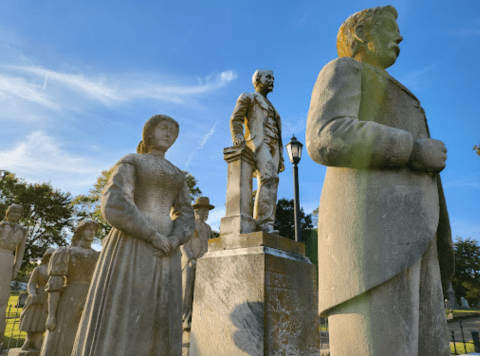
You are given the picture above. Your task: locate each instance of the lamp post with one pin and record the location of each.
(294, 149)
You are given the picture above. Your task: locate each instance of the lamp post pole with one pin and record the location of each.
(298, 233)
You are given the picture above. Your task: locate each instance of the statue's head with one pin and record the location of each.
(160, 131)
(84, 233)
(202, 207)
(371, 36)
(14, 213)
(263, 80)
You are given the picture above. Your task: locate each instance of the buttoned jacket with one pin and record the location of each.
(377, 215)
(253, 110)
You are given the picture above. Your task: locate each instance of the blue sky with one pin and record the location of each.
(79, 79)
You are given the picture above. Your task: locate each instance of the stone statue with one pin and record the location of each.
(135, 302)
(70, 271)
(191, 251)
(13, 237)
(384, 239)
(34, 313)
(263, 134)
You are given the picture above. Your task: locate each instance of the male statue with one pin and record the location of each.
(13, 237)
(263, 134)
(384, 239)
(195, 248)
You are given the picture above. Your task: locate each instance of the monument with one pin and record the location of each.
(384, 236)
(34, 313)
(134, 306)
(191, 252)
(13, 237)
(452, 301)
(255, 291)
(70, 271)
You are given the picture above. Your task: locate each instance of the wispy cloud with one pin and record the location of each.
(472, 181)
(203, 141)
(414, 79)
(40, 157)
(468, 30)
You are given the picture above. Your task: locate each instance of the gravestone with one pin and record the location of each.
(465, 303)
(452, 301)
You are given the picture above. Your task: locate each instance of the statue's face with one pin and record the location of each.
(14, 215)
(266, 80)
(383, 39)
(89, 233)
(201, 214)
(164, 135)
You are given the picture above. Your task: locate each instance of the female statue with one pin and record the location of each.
(134, 306)
(13, 237)
(34, 313)
(70, 270)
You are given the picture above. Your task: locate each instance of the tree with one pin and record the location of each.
(477, 148)
(285, 224)
(47, 214)
(466, 281)
(89, 205)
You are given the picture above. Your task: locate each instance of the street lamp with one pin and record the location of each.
(294, 149)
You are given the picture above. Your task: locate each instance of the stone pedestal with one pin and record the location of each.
(255, 294)
(239, 207)
(20, 352)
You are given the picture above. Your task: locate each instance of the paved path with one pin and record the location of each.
(471, 324)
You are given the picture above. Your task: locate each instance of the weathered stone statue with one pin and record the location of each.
(34, 313)
(134, 306)
(70, 271)
(384, 235)
(191, 251)
(13, 237)
(263, 134)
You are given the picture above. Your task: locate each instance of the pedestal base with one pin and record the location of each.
(255, 294)
(20, 352)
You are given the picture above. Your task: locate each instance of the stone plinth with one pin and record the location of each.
(239, 207)
(20, 352)
(255, 294)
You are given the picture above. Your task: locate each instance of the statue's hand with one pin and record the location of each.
(239, 140)
(281, 166)
(51, 323)
(161, 243)
(174, 241)
(192, 263)
(428, 155)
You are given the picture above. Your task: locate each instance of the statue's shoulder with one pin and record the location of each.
(131, 158)
(342, 65)
(244, 97)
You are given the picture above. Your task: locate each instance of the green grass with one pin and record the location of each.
(17, 336)
(460, 348)
(462, 313)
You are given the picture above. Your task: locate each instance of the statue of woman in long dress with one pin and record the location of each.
(70, 272)
(134, 306)
(13, 237)
(34, 313)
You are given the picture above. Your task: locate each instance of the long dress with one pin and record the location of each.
(34, 316)
(134, 306)
(70, 270)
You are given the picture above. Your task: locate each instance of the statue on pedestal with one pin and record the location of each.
(13, 237)
(34, 312)
(384, 239)
(263, 135)
(70, 271)
(135, 302)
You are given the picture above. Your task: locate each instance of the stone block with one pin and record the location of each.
(255, 294)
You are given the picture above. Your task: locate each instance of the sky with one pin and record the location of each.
(78, 80)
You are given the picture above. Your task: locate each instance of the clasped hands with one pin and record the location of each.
(165, 246)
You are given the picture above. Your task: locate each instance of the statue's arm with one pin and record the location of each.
(184, 224)
(335, 136)
(19, 252)
(238, 118)
(118, 205)
(32, 283)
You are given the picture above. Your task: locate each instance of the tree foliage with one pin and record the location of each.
(477, 148)
(466, 281)
(89, 205)
(285, 224)
(47, 214)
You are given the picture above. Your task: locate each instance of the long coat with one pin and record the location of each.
(253, 110)
(377, 215)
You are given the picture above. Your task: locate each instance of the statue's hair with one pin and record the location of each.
(149, 127)
(77, 235)
(258, 73)
(14, 207)
(347, 43)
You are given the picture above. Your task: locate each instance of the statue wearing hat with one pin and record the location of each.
(191, 251)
